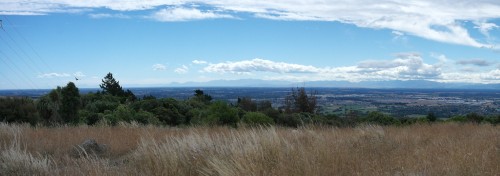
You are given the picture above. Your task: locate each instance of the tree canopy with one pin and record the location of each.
(111, 86)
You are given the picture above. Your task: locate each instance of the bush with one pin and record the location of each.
(145, 117)
(493, 119)
(88, 117)
(220, 113)
(457, 119)
(291, 120)
(257, 118)
(123, 113)
(409, 121)
(380, 118)
(18, 110)
(474, 117)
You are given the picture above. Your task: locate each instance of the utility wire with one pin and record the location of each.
(17, 70)
(40, 71)
(33, 64)
(31, 47)
(19, 56)
(10, 81)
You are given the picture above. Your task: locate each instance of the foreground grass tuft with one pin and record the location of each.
(437, 149)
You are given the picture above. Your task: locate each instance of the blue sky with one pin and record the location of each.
(45, 44)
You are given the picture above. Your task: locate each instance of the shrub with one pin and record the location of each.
(431, 117)
(221, 113)
(18, 110)
(123, 113)
(457, 119)
(145, 117)
(380, 118)
(257, 118)
(409, 121)
(474, 117)
(291, 120)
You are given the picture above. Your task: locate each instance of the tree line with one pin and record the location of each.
(112, 104)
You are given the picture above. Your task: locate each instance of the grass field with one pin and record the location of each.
(437, 149)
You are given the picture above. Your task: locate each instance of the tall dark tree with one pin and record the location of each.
(70, 102)
(299, 101)
(247, 104)
(431, 117)
(49, 106)
(111, 86)
(201, 96)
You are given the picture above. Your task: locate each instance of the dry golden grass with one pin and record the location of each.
(437, 149)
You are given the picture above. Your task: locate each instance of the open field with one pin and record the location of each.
(436, 149)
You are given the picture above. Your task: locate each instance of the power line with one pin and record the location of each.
(31, 67)
(7, 78)
(24, 76)
(30, 46)
(17, 54)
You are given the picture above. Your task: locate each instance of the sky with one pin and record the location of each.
(47, 43)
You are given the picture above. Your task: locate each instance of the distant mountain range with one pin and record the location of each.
(412, 84)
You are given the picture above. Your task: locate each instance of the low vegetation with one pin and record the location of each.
(133, 149)
(112, 105)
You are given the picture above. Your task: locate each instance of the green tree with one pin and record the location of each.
(145, 117)
(220, 113)
(431, 117)
(123, 113)
(247, 104)
(201, 96)
(257, 118)
(380, 118)
(70, 102)
(474, 117)
(49, 106)
(19, 110)
(111, 86)
(299, 101)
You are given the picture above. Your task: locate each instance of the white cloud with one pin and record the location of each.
(185, 14)
(79, 74)
(406, 66)
(181, 70)
(485, 77)
(107, 15)
(434, 20)
(397, 33)
(200, 62)
(485, 27)
(53, 75)
(159, 67)
(259, 65)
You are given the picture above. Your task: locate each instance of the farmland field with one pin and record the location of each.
(420, 149)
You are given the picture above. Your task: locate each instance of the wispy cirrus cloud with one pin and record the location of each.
(108, 15)
(181, 70)
(159, 67)
(441, 21)
(79, 74)
(53, 75)
(185, 14)
(199, 62)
